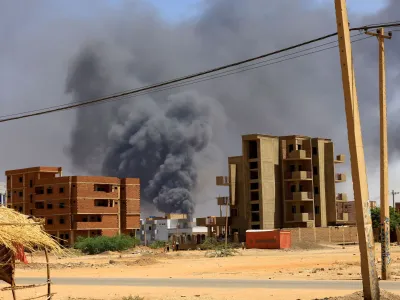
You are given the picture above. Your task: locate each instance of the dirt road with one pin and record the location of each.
(294, 285)
(332, 263)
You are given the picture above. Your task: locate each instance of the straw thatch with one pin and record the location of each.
(20, 230)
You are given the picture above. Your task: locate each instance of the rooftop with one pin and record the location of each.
(41, 169)
(293, 136)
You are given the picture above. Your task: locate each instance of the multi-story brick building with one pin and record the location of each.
(278, 182)
(76, 205)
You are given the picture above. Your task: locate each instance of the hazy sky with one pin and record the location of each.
(139, 44)
(176, 10)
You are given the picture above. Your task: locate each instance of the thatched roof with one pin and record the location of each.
(18, 229)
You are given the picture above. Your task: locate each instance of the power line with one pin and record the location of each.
(227, 73)
(157, 86)
(218, 75)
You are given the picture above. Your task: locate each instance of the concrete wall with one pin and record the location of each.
(239, 211)
(327, 235)
(270, 193)
(330, 185)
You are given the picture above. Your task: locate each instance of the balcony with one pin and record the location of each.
(340, 177)
(303, 217)
(298, 175)
(302, 196)
(341, 197)
(298, 154)
(223, 200)
(344, 217)
(222, 181)
(340, 159)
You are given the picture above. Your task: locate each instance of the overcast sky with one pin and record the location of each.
(162, 39)
(176, 10)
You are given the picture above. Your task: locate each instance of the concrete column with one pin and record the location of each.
(236, 237)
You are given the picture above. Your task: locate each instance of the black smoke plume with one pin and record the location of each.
(161, 143)
(172, 139)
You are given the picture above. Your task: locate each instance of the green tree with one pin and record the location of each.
(394, 218)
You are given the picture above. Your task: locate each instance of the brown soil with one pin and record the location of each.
(304, 262)
(359, 296)
(144, 261)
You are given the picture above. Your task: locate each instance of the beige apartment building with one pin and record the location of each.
(282, 182)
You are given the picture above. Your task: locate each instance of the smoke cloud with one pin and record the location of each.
(178, 140)
(159, 137)
(160, 145)
(162, 142)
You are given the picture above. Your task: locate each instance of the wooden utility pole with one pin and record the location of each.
(385, 216)
(358, 170)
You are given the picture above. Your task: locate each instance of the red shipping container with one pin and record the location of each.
(268, 239)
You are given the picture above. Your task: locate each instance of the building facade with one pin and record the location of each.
(351, 210)
(397, 207)
(282, 182)
(3, 193)
(164, 228)
(75, 206)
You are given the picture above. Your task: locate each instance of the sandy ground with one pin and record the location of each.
(328, 263)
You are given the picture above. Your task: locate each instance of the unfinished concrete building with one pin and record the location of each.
(282, 182)
(76, 205)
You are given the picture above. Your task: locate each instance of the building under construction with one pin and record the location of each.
(281, 182)
(75, 206)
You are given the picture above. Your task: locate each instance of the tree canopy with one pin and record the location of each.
(394, 218)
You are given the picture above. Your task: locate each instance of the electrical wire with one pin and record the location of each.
(218, 75)
(227, 73)
(156, 87)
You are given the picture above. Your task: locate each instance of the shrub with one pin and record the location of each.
(221, 251)
(157, 245)
(210, 243)
(100, 244)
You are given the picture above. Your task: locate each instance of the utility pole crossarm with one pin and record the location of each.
(380, 34)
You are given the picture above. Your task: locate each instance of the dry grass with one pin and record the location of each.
(25, 232)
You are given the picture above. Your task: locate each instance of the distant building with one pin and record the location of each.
(351, 209)
(75, 206)
(3, 194)
(164, 228)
